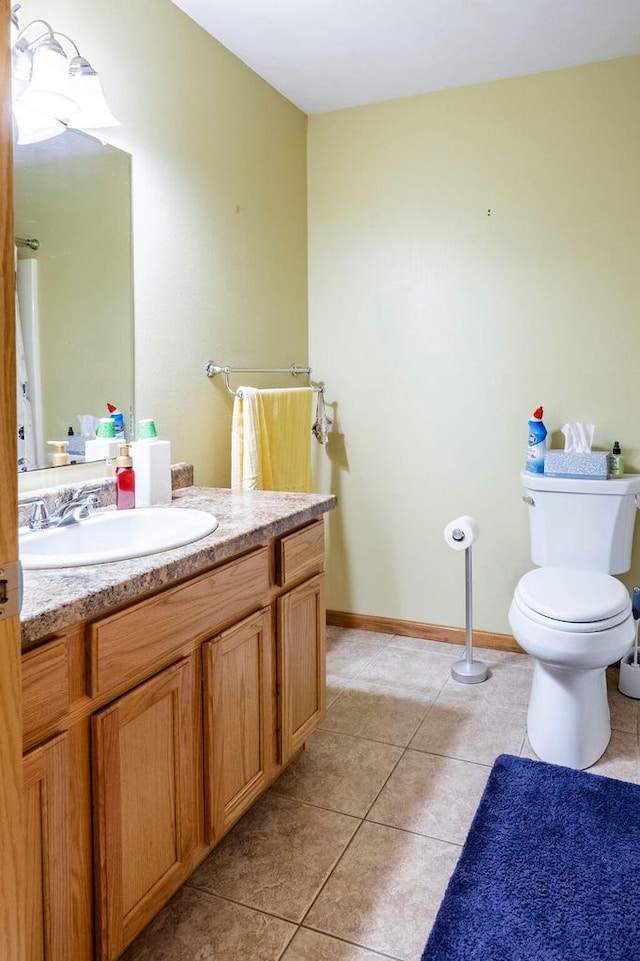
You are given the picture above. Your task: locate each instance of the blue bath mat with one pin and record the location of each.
(550, 870)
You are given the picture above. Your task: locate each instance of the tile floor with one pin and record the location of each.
(347, 856)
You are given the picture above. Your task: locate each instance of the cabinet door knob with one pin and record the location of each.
(528, 499)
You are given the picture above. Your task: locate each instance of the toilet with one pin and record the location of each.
(569, 614)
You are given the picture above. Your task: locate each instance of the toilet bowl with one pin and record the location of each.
(573, 623)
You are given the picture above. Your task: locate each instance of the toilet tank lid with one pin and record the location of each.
(572, 596)
(628, 484)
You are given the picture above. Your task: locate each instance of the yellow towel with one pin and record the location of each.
(271, 440)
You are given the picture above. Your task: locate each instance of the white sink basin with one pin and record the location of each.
(114, 536)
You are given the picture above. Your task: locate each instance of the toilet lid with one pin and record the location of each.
(577, 597)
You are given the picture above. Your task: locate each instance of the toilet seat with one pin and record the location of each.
(575, 601)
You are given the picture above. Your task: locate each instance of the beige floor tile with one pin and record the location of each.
(355, 634)
(471, 731)
(423, 644)
(624, 710)
(457, 650)
(434, 796)
(620, 760)
(423, 671)
(348, 653)
(312, 946)
(385, 892)
(367, 709)
(195, 926)
(512, 658)
(508, 685)
(338, 772)
(335, 686)
(277, 857)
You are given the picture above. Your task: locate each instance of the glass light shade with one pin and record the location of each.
(34, 126)
(93, 112)
(21, 67)
(15, 27)
(49, 90)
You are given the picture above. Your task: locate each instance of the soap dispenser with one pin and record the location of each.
(59, 458)
(125, 480)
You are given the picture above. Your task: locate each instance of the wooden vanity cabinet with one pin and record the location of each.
(301, 664)
(151, 730)
(264, 695)
(46, 823)
(238, 675)
(56, 803)
(145, 801)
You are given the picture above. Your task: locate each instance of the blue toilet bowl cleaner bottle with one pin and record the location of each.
(118, 419)
(537, 443)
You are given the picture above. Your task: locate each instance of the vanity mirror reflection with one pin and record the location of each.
(72, 199)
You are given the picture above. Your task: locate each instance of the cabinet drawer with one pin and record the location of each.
(300, 553)
(45, 686)
(132, 644)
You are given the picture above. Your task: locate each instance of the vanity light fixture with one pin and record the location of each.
(52, 90)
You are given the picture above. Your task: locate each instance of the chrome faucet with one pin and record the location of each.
(76, 509)
(72, 512)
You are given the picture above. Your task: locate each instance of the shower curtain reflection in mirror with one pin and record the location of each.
(30, 450)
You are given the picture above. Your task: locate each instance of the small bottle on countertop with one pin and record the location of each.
(125, 480)
(152, 463)
(616, 461)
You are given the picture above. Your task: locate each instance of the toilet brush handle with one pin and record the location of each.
(635, 603)
(635, 608)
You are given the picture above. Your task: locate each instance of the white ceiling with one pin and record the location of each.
(329, 54)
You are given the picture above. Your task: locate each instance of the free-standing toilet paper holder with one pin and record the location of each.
(467, 671)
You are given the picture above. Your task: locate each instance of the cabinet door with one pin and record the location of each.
(145, 803)
(238, 720)
(46, 824)
(301, 664)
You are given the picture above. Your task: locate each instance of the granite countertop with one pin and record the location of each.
(56, 599)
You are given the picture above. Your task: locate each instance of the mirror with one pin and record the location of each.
(72, 195)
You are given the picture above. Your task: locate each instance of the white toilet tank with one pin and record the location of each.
(582, 524)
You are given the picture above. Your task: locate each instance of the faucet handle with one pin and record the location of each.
(40, 518)
(89, 489)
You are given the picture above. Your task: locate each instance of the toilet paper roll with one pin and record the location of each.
(461, 532)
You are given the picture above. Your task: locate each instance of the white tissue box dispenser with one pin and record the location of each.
(590, 466)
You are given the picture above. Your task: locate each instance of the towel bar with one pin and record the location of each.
(211, 369)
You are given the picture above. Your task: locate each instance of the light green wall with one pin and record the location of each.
(472, 254)
(219, 212)
(437, 327)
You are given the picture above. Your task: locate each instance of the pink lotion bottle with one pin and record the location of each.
(125, 480)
